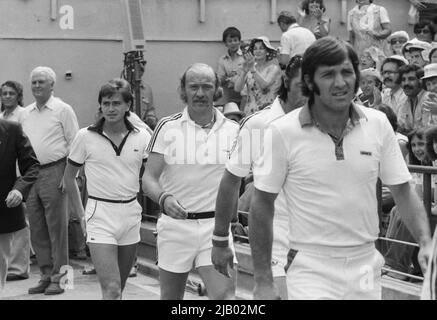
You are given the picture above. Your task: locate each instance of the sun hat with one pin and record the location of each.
(266, 42)
(398, 34)
(371, 72)
(232, 108)
(430, 71)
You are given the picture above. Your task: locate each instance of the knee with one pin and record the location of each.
(111, 290)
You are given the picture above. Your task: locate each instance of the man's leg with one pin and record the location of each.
(172, 284)
(105, 258)
(126, 257)
(20, 255)
(218, 287)
(5, 250)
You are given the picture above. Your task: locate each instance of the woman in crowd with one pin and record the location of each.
(424, 31)
(260, 77)
(433, 55)
(371, 86)
(396, 40)
(314, 18)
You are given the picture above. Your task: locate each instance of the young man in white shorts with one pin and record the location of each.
(247, 149)
(188, 152)
(113, 152)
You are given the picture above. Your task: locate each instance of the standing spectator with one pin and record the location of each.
(186, 186)
(396, 40)
(368, 25)
(294, 40)
(260, 77)
(331, 239)
(113, 151)
(427, 10)
(229, 65)
(314, 18)
(51, 125)
(12, 106)
(412, 114)
(393, 95)
(14, 146)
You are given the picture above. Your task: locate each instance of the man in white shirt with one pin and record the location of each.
(294, 40)
(51, 126)
(392, 94)
(326, 158)
(188, 152)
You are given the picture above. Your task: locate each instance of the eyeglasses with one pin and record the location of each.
(401, 41)
(424, 31)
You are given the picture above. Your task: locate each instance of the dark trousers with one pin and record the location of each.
(48, 218)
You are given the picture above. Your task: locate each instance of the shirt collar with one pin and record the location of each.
(98, 126)
(355, 115)
(49, 104)
(228, 56)
(294, 25)
(276, 108)
(219, 118)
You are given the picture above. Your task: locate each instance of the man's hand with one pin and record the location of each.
(14, 198)
(265, 292)
(174, 209)
(424, 255)
(221, 258)
(249, 62)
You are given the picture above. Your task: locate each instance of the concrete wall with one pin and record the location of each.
(176, 38)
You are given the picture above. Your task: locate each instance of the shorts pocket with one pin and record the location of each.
(91, 209)
(290, 258)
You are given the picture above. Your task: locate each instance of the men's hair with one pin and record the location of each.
(47, 71)
(286, 17)
(115, 86)
(391, 115)
(411, 68)
(231, 32)
(306, 5)
(430, 138)
(182, 93)
(17, 87)
(291, 72)
(423, 24)
(327, 51)
(271, 54)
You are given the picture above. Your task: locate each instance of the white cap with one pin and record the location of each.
(430, 71)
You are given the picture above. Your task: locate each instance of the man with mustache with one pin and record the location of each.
(393, 95)
(412, 114)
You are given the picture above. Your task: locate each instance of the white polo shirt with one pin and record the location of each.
(296, 40)
(330, 188)
(248, 148)
(194, 158)
(112, 171)
(50, 129)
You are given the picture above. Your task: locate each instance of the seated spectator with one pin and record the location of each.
(424, 31)
(413, 114)
(231, 111)
(432, 57)
(396, 40)
(371, 85)
(229, 65)
(371, 57)
(260, 77)
(417, 52)
(313, 17)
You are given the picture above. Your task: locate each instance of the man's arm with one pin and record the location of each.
(261, 237)
(414, 217)
(70, 185)
(283, 59)
(152, 188)
(226, 206)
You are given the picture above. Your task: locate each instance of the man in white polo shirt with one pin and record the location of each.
(327, 157)
(113, 151)
(51, 125)
(247, 149)
(294, 40)
(188, 152)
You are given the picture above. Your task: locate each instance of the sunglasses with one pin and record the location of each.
(400, 41)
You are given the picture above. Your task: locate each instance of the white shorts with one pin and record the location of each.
(113, 223)
(337, 274)
(182, 243)
(280, 248)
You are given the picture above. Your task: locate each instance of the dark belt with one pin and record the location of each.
(51, 164)
(200, 215)
(112, 201)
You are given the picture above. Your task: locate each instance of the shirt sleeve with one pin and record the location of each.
(383, 15)
(70, 124)
(147, 137)
(157, 143)
(285, 45)
(270, 170)
(240, 160)
(392, 170)
(221, 72)
(78, 153)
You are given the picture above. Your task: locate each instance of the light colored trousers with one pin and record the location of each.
(5, 251)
